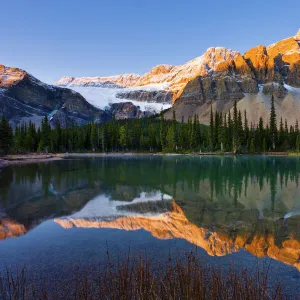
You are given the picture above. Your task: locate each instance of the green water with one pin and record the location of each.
(227, 207)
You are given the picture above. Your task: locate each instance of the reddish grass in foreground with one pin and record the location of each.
(134, 279)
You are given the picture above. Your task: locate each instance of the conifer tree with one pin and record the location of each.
(44, 144)
(252, 146)
(298, 143)
(162, 131)
(297, 127)
(230, 132)
(6, 136)
(273, 124)
(175, 133)
(281, 133)
(246, 129)
(123, 137)
(211, 130)
(94, 137)
(235, 137)
(221, 132)
(240, 131)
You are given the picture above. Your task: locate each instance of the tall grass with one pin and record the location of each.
(134, 278)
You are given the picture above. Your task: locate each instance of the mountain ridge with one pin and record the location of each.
(222, 76)
(24, 98)
(214, 80)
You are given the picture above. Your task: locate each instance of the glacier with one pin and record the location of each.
(101, 97)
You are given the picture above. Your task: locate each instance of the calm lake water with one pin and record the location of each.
(243, 211)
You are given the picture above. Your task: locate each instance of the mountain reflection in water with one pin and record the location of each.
(221, 204)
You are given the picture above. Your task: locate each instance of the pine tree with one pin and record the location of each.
(246, 130)
(162, 131)
(225, 133)
(94, 136)
(193, 139)
(221, 132)
(235, 129)
(29, 138)
(103, 139)
(298, 143)
(211, 130)
(18, 140)
(273, 124)
(44, 144)
(264, 147)
(230, 132)
(252, 146)
(261, 134)
(281, 133)
(174, 125)
(296, 128)
(6, 136)
(216, 131)
(57, 137)
(123, 137)
(240, 131)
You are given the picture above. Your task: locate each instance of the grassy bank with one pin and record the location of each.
(134, 279)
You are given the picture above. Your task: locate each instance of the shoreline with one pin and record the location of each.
(17, 159)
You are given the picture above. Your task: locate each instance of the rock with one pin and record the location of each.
(276, 89)
(10, 76)
(233, 77)
(164, 97)
(257, 59)
(126, 110)
(24, 98)
(297, 36)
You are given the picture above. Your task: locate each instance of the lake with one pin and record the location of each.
(242, 211)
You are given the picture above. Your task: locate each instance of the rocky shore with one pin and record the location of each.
(38, 157)
(27, 158)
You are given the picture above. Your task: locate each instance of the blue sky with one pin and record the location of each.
(54, 38)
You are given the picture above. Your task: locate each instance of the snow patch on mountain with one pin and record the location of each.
(119, 80)
(101, 97)
(103, 206)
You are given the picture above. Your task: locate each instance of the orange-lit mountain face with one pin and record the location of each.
(9, 228)
(278, 62)
(174, 224)
(10, 76)
(221, 76)
(215, 79)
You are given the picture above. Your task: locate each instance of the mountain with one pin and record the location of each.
(173, 224)
(102, 91)
(217, 78)
(25, 98)
(249, 79)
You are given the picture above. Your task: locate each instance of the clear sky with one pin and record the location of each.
(54, 38)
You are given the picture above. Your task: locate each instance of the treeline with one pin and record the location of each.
(147, 134)
(155, 134)
(234, 133)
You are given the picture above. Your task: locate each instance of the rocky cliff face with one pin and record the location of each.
(162, 96)
(249, 79)
(126, 110)
(174, 224)
(24, 98)
(218, 78)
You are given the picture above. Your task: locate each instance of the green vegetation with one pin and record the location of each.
(224, 134)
